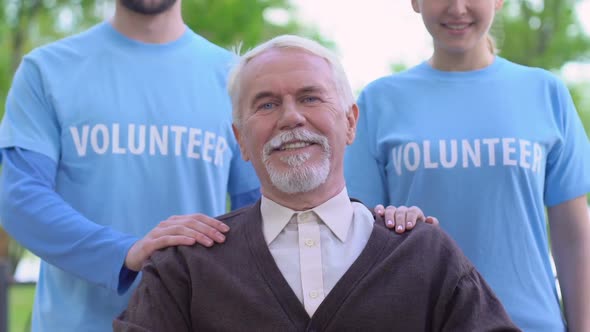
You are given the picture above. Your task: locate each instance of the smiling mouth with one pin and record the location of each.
(293, 146)
(457, 27)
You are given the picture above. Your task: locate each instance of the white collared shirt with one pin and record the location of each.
(314, 248)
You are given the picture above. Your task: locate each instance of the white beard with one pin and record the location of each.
(299, 177)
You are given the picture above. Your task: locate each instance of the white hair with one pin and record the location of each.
(290, 42)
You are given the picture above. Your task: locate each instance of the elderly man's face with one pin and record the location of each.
(293, 127)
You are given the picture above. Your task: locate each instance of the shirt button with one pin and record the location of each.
(309, 242)
(313, 294)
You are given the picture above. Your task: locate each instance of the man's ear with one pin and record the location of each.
(238, 137)
(416, 6)
(352, 117)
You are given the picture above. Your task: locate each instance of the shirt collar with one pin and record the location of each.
(336, 213)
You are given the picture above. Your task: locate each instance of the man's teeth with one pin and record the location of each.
(457, 26)
(296, 145)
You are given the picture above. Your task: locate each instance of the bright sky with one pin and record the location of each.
(373, 34)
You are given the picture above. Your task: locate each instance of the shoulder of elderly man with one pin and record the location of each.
(423, 266)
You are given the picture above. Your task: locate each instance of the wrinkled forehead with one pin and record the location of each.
(285, 60)
(285, 68)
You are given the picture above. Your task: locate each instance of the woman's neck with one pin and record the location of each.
(462, 61)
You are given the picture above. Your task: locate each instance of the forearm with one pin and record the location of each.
(575, 288)
(37, 217)
(570, 240)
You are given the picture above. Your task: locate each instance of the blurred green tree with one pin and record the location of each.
(247, 22)
(541, 33)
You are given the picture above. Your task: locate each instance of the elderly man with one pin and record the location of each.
(306, 257)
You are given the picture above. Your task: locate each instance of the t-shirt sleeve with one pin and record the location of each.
(38, 218)
(365, 175)
(568, 161)
(30, 121)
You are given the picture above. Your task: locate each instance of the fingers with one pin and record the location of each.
(176, 231)
(203, 228)
(400, 219)
(413, 215)
(379, 210)
(212, 222)
(161, 242)
(403, 218)
(432, 220)
(203, 235)
(208, 229)
(144, 248)
(199, 219)
(389, 216)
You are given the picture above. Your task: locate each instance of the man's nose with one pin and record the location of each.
(291, 116)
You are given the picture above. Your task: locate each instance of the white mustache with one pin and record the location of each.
(302, 135)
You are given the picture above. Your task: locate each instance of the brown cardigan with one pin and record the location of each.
(417, 281)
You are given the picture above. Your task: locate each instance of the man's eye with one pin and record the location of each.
(267, 106)
(310, 99)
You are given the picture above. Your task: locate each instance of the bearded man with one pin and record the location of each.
(306, 257)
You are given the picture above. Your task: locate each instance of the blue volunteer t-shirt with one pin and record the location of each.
(484, 151)
(140, 132)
